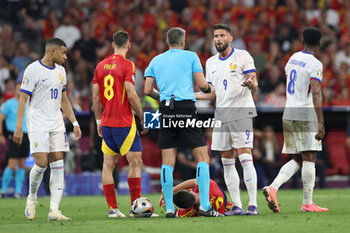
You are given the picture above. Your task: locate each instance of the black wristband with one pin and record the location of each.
(208, 90)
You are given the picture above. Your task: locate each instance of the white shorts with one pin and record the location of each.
(233, 135)
(299, 136)
(48, 142)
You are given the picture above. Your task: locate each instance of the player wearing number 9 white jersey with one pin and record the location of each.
(43, 86)
(303, 126)
(232, 73)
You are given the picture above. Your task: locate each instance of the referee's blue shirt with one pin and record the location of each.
(9, 109)
(173, 71)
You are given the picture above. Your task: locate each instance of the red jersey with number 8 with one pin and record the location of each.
(110, 75)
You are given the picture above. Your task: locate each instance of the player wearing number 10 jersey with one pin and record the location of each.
(113, 87)
(303, 126)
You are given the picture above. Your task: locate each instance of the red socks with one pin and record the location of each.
(135, 188)
(110, 196)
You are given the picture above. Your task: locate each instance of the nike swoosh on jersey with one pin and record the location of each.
(43, 80)
(213, 71)
(246, 142)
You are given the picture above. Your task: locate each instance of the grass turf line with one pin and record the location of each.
(89, 214)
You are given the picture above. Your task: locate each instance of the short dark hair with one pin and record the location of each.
(175, 35)
(184, 199)
(222, 26)
(55, 42)
(121, 38)
(312, 36)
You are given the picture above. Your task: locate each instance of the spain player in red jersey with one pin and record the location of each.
(186, 198)
(113, 88)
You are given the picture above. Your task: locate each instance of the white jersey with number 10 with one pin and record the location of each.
(45, 86)
(300, 69)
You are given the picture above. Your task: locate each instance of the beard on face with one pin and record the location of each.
(222, 47)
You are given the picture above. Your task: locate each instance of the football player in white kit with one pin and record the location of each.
(232, 73)
(303, 126)
(44, 82)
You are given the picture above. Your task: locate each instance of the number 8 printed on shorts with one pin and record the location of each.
(291, 84)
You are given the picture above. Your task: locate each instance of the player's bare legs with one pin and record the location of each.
(232, 181)
(285, 173)
(166, 179)
(35, 178)
(308, 174)
(109, 162)
(249, 176)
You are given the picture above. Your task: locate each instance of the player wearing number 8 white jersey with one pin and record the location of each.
(232, 73)
(44, 84)
(303, 126)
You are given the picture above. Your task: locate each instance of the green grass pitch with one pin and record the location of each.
(89, 214)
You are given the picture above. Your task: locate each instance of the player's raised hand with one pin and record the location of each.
(18, 136)
(77, 133)
(320, 131)
(248, 81)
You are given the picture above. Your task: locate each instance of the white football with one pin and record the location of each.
(142, 207)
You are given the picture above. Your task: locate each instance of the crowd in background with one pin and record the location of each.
(269, 29)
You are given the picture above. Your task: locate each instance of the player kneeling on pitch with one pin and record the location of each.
(186, 198)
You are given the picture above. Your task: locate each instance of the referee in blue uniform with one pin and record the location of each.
(174, 72)
(16, 154)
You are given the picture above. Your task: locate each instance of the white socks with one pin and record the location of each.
(232, 180)
(286, 172)
(35, 178)
(249, 176)
(308, 178)
(56, 183)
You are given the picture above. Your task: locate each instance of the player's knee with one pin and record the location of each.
(136, 162)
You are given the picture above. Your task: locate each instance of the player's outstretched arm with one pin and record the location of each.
(188, 184)
(18, 134)
(68, 110)
(96, 105)
(149, 88)
(251, 81)
(317, 100)
(135, 103)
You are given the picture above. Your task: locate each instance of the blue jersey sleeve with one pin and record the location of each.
(5, 108)
(196, 64)
(149, 72)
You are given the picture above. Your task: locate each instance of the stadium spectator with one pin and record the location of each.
(67, 32)
(23, 58)
(267, 156)
(4, 73)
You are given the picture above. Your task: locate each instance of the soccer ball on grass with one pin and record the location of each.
(142, 207)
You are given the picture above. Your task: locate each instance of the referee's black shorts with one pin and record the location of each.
(18, 151)
(173, 133)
